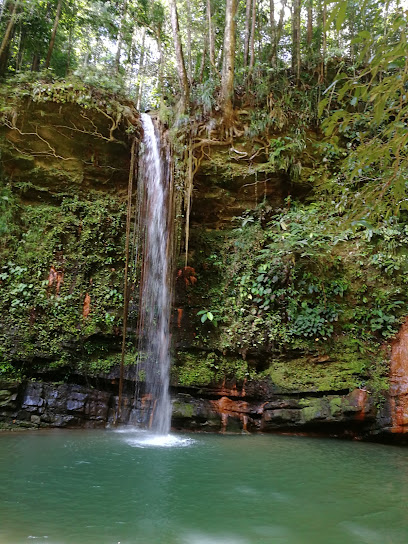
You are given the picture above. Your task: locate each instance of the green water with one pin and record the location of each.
(86, 487)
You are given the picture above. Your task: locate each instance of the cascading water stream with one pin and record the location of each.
(154, 310)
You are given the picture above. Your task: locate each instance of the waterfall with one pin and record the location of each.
(153, 363)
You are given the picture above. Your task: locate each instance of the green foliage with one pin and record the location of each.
(304, 280)
(8, 210)
(90, 91)
(370, 118)
(208, 315)
(56, 256)
(204, 95)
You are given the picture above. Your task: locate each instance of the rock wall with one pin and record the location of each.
(35, 405)
(64, 169)
(350, 415)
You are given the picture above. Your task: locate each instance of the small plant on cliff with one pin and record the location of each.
(207, 315)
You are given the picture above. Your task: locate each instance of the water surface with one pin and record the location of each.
(106, 487)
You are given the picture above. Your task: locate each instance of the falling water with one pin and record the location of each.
(154, 313)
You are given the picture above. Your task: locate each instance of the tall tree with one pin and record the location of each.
(228, 65)
(296, 38)
(272, 23)
(252, 40)
(247, 31)
(53, 34)
(277, 32)
(121, 35)
(140, 71)
(189, 59)
(5, 44)
(181, 67)
(211, 40)
(323, 15)
(309, 24)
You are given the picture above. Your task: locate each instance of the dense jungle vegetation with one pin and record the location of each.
(311, 92)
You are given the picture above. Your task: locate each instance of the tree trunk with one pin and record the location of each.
(309, 24)
(247, 30)
(181, 67)
(227, 78)
(53, 34)
(67, 67)
(5, 44)
(20, 52)
(324, 44)
(120, 36)
(252, 40)
(278, 34)
(161, 64)
(296, 39)
(140, 71)
(189, 61)
(272, 27)
(202, 64)
(211, 41)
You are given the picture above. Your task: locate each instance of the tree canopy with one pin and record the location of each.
(202, 57)
(146, 47)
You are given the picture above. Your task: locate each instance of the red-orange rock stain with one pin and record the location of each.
(87, 306)
(179, 317)
(52, 276)
(187, 275)
(60, 280)
(399, 381)
(359, 398)
(227, 407)
(57, 278)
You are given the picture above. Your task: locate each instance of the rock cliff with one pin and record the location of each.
(281, 322)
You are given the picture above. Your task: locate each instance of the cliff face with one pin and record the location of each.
(65, 154)
(281, 320)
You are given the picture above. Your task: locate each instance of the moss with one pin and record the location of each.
(335, 406)
(183, 410)
(303, 374)
(54, 257)
(209, 368)
(95, 366)
(192, 370)
(317, 409)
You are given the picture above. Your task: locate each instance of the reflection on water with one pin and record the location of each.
(76, 487)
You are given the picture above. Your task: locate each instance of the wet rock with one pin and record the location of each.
(7, 398)
(273, 419)
(76, 401)
(279, 403)
(398, 392)
(316, 410)
(33, 399)
(59, 405)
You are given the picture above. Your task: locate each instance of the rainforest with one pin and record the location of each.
(204, 229)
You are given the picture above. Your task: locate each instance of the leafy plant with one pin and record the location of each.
(207, 315)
